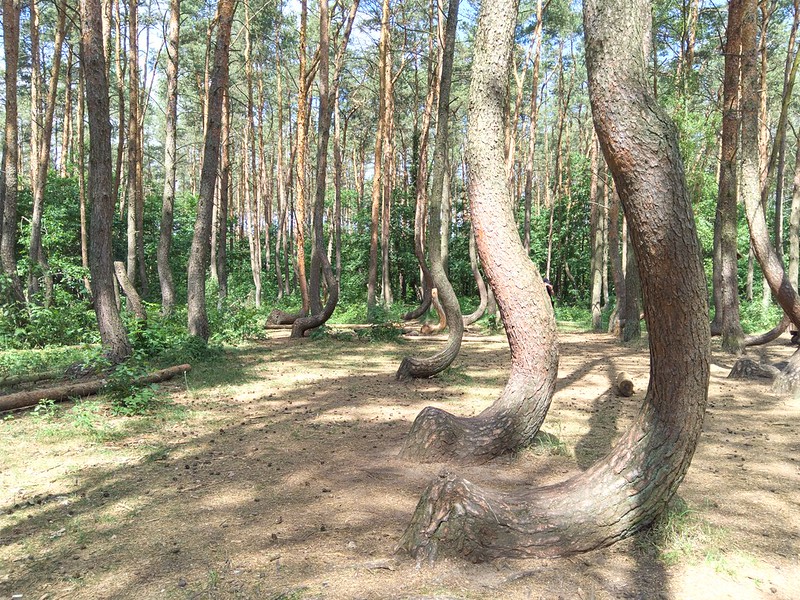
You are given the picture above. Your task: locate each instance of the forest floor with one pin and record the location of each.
(271, 472)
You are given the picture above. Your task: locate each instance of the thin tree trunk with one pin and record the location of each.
(112, 331)
(224, 202)
(66, 131)
(426, 428)
(725, 270)
(476, 273)
(421, 182)
(628, 489)
(377, 178)
(597, 219)
(170, 163)
(134, 148)
(794, 222)
(82, 179)
(198, 257)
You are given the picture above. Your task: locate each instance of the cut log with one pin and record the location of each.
(624, 384)
(747, 368)
(12, 380)
(83, 388)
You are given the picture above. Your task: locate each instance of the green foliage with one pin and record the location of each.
(127, 396)
(755, 318)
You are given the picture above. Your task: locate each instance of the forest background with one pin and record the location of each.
(385, 84)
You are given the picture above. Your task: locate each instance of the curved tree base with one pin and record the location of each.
(788, 380)
(280, 317)
(769, 336)
(433, 329)
(481, 525)
(438, 436)
(303, 324)
(423, 307)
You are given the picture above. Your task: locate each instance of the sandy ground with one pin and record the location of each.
(274, 474)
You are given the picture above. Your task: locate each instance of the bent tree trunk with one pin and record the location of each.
(626, 490)
(476, 273)
(525, 307)
(428, 367)
(771, 264)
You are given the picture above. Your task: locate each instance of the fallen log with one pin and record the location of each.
(624, 384)
(83, 388)
(12, 380)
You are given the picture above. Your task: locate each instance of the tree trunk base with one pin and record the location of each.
(280, 317)
(747, 368)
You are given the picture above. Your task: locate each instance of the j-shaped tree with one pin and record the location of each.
(627, 489)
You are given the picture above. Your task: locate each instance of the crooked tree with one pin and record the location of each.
(627, 489)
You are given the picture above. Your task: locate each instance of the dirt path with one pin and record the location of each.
(274, 474)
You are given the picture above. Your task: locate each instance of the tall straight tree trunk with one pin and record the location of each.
(481, 285)
(597, 220)
(794, 222)
(224, 202)
(421, 180)
(625, 491)
(198, 257)
(66, 131)
(279, 175)
(424, 440)
(8, 240)
(534, 116)
(170, 163)
(101, 260)
(134, 188)
(82, 178)
(300, 166)
(725, 271)
(377, 178)
(36, 255)
(119, 66)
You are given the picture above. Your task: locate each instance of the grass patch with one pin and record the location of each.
(681, 534)
(547, 444)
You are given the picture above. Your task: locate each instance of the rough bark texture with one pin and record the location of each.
(84, 388)
(525, 307)
(112, 331)
(625, 491)
(772, 266)
(198, 257)
(428, 367)
(725, 275)
(8, 241)
(170, 163)
(324, 127)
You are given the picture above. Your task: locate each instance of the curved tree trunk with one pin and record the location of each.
(625, 491)
(428, 367)
(772, 266)
(516, 416)
(476, 273)
(326, 97)
(769, 336)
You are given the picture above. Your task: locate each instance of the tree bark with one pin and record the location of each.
(597, 223)
(8, 240)
(377, 178)
(112, 331)
(84, 388)
(198, 257)
(41, 157)
(421, 182)
(134, 300)
(725, 274)
(516, 416)
(170, 163)
(135, 192)
(326, 99)
(421, 434)
(627, 490)
(476, 273)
